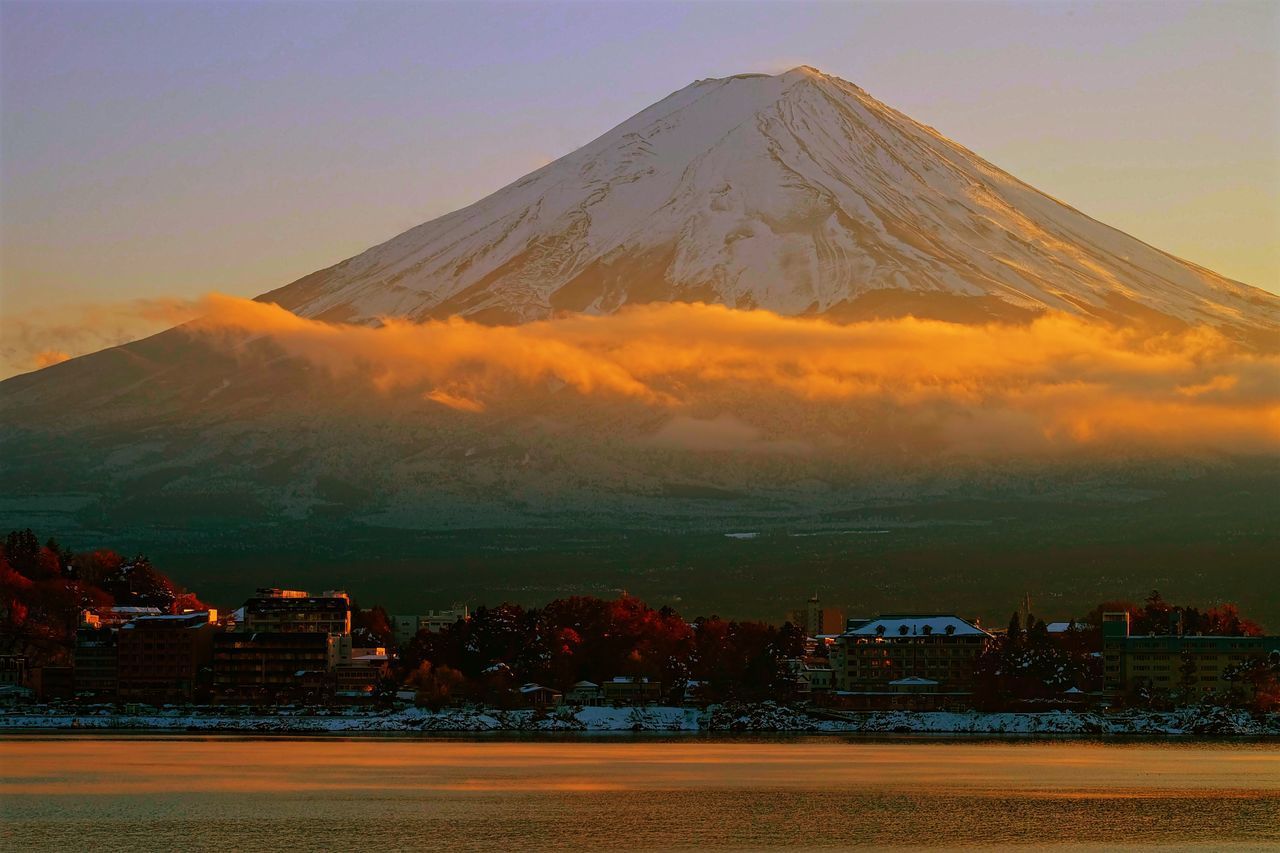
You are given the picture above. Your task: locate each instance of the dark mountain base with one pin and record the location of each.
(235, 469)
(1205, 540)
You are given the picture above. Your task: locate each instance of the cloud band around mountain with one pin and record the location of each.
(1057, 382)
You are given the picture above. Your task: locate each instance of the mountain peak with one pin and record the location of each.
(758, 192)
(803, 71)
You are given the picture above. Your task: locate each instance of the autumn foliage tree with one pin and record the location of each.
(1158, 616)
(43, 588)
(590, 639)
(371, 627)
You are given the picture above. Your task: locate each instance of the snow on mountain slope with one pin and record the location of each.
(798, 193)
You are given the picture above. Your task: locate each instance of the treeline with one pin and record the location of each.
(43, 588)
(1027, 663)
(1157, 616)
(589, 639)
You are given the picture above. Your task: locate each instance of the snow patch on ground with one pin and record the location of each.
(760, 717)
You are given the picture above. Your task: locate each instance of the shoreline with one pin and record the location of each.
(764, 718)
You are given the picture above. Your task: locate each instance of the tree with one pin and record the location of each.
(1157, 616)
(1157, 612)
(22, 550)
(1187, 675)
(1257, 682)
(44, 588)
(1225, 620)
(434, 685)
(1014, 631)
(371, 627)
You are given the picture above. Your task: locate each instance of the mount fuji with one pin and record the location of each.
(237, 465)
(798, 193)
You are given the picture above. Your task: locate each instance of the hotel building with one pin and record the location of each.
(1176, 661)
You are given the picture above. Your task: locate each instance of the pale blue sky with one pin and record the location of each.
(166, 149)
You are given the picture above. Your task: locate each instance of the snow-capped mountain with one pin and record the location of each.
(799, 193)
(234, 455)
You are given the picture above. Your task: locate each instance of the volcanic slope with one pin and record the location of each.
(798, 193)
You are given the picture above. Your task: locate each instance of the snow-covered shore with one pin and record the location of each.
(764, 717)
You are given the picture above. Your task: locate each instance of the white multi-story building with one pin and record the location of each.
(406, 627)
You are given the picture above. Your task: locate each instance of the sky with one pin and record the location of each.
(160, 151)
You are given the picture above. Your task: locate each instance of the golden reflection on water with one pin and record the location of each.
(683, 792)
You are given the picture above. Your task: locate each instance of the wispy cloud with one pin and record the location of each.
(40, 338)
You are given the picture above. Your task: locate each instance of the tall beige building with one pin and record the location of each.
(816, 619)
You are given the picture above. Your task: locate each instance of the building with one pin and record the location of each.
(289, 610)
(357, 674)
(53, 682)
(14, 678)
(1192, 663)
(406, 627)
(114, 617)
(13, 671)
(585, 693)
(938, 647)
(810, 676)
(268, 665)
(625, 690)
(537, 696)
(164, 658)
(96, 657)
(817, 620)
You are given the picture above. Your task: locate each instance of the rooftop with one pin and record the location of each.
(891, 626)
(178, 620)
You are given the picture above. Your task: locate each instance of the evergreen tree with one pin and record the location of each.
(1014, 634)
(22, 549)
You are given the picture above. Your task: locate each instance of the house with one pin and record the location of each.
(696, 692)
(359, 673)
(13, 670)
(537, 696)
(810, 676)
(585, 693)
(15, 680)
(626, 690)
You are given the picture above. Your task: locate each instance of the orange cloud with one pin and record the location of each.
(44, 358)
(1055, 383)
(39, 338)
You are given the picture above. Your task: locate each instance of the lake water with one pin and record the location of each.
(112, 792)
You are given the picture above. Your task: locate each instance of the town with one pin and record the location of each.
(92, 629)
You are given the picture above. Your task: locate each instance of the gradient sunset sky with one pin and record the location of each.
(171, 149)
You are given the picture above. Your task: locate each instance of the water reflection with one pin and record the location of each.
(78, 792)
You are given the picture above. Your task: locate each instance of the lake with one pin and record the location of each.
(106, 792)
